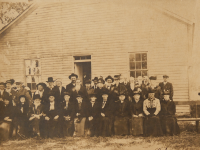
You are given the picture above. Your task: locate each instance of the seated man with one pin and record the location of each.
(81, 108)
(67, 115)
(52, 112)
(6, 118)
(168, 119)
(106, 111)
(36, 118)
(93, 116)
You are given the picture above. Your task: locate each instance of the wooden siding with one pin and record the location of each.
(107, 31)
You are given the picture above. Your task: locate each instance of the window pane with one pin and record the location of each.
(144, 73)
(144, 65)
(138, 57)
(144, 57)
(29, 85)
(33, 79)
(138, 73)
(132, 74)
(36, 63)
(37, 71)
(33, 86)
(138, 65)
(37, 79)
(132, 65)
(132, 57)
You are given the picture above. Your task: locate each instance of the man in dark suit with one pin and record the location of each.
(41, 90)
(109, 80)
(2, 91)
(51, 86)
(52, 112)
(95, 81)
(73, 77)
(59, 92)
(167, 86)
(93, 116)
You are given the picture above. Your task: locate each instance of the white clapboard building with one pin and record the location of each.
(98, 38)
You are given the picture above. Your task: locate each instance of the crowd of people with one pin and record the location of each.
(138, 107)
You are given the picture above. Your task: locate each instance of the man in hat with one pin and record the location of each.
(167, 116)
(93, 116)
(153, 85)
(51, 86)
(10, 91)
(100, 89)
(2, 91)
(106, 120)
(88, 87)
(36, 117)
(79, 89)
(41, 90)
(67, 115)
(81, 108)
(59, 91)
(109, 80)
(167, 86)
(95, 81)
(151, 109)
(118, 88)
(22, 91)
(73, 77)
(52, 112)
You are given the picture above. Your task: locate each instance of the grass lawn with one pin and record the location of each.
(188, 139)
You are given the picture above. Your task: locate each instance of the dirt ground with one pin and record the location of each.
(188, 140)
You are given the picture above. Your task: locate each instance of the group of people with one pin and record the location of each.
(138, 107)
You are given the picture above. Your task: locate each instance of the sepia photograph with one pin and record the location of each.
(99, 74)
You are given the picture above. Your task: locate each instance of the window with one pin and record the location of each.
(138, 64)
(33, 73)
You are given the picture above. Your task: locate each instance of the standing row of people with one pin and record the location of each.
(102, 110)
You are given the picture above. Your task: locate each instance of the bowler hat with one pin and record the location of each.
(165, 76)
(105, 91)
(95, 78)
(117, 76)
(166, 92)
(66, 93)
(87, 82)
(50, 79)
(101, 80)
(92, 95)
(37, 96)
(136, 91)
(51, 93)
(109, 77)
(73, 75)
(42, 84)
(153, 78)
(79, 95)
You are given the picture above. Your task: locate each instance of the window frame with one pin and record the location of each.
(129, 63)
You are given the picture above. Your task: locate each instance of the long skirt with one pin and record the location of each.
(35, 126)
(121, 125)
(51, 128)
(137, 125)
(5, 130)
(92, 127)
(79, 127)
(169, 125)
(105, 126)
(152, 126)
(22, 127)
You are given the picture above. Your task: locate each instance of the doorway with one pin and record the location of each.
(83, 70)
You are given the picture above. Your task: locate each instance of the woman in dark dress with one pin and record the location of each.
(168, 119)
(22, 116)
(136, 109)
(122, 115)
(151, 108)
(154, 86)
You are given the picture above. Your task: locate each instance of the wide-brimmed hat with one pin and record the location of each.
(136, 91)
(165, 76)
(105, 91)
(66, 93)
(11, 81)
(42, 84)
(153, 78)
(73, 75)
(95, 79)
(37, 96)
(109, 77)
(166, 92)
(50, 79)
(101, 80)
(117, 76)
(93, 95)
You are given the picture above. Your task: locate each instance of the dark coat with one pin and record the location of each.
(68, 111)
(167, 87)
(99, 93)
(168, 108)
(69, 87)
(59, 96)
(82, 92)
(122, 109)
(7, 111)
(25, 92)
(44, 98)
(38, 111)
(24, 113)
(4, 94)
(83, 110)
(108, 109)
(136, 108)
(116, 90)
(95, 110)
(52, 113)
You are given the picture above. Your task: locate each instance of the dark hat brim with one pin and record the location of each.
(73, 75)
